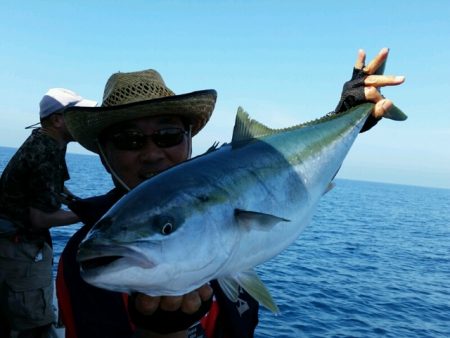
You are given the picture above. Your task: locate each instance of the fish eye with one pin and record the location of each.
(166, 228)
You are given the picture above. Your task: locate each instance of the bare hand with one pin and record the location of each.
(43, 220)
(188, 303)
(66, 196)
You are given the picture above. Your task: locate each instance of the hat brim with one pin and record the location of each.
(86, 123)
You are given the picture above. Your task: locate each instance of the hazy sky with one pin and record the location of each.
(283, 61)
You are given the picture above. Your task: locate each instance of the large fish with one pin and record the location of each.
(221, 214)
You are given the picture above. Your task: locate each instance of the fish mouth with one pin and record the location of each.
(98, 262)
(103, 257)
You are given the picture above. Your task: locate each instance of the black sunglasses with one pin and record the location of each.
(136, 139)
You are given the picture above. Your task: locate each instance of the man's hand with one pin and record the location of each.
(169, 316)
(188, 303)
(43, 220)
(364, 86)
(67, 197)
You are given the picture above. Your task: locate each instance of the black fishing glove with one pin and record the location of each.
(353, 95)
(165, 322)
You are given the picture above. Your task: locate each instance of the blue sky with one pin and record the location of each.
(283, 61)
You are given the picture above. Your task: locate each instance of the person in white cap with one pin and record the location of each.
(31, 194)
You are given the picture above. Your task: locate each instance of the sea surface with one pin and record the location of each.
(375, 261)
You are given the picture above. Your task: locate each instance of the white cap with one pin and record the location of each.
(58, 98)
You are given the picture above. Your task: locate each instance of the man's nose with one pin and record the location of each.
(150, 152)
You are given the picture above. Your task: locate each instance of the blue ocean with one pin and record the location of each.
(375, 261)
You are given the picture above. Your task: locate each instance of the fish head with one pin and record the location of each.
(158, 250)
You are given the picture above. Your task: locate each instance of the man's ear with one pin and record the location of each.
(57, 120)
(102, 159)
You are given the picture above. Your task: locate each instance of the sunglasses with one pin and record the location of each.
(136, 139)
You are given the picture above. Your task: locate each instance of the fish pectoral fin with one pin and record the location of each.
(255, 219)
(230, 288)
(252, 284)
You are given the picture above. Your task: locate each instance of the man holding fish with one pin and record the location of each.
(141, 130)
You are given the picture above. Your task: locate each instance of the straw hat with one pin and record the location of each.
(130, 96)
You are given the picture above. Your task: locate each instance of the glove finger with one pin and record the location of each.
(358, 74)
(353, 93)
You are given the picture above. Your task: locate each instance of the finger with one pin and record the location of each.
(361, 59)
(205, 292)
(377, 61)
(372, 94)
(191, 302)
(381, 107)
(147, 305)
(383, 80)
(171, 303)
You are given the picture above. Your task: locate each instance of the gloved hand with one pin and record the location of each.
(364, 86)
(353, 94)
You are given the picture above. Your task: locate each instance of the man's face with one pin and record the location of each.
(136, 157)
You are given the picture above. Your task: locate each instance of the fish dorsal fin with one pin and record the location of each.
(257, 220)
(251, 283)
(246, 129)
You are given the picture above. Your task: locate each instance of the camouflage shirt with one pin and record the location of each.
(34, 177)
